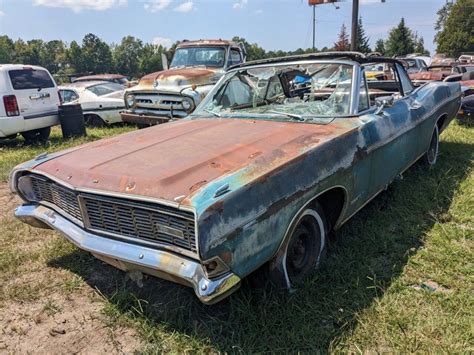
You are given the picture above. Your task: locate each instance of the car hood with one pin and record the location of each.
(179, 77)
(174, 161)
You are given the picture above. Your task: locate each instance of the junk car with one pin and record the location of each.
(176, 91)
(259, 174)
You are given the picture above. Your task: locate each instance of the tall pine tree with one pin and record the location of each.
(342, 43)
(362, 39)
(400, 40)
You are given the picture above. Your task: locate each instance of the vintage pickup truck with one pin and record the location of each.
(279, 153)
(175, 92)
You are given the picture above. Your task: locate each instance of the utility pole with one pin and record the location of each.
(355, 24)
(314, 28)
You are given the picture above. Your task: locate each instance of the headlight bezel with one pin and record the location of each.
(190, 103)
(129, 100)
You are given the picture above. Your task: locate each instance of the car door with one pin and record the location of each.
(393, 142)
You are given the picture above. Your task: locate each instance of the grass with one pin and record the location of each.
(399, 276)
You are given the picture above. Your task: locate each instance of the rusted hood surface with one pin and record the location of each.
(427, 76)
(180, 158)
(178, 77)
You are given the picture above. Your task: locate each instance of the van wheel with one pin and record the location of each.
(95, 121)
(303, 252)
(431, 155)
(37, 135)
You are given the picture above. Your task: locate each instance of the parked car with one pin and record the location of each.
(467, 107)
(466, 58)
(414, 64)
(30, 102)
(113, 78)
(175, 92)
(101, 101)
(435, 73)
(257, 176)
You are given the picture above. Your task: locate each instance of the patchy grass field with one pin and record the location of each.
(399, 278)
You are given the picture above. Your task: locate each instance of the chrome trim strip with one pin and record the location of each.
(128, 256)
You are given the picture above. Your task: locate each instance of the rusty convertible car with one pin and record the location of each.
(279, 153)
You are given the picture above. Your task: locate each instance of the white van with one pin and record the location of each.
(29, 103)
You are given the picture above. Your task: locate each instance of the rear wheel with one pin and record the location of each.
(37, 135)
(303, 252)
(95, 121)
(431, 155)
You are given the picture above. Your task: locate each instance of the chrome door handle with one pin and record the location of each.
(415, 106)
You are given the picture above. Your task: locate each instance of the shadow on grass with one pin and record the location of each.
(368, 253)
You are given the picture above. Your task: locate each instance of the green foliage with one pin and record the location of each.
(456, 28)
(74, 57)
(96, 54)
(400, 40)
(342, 43)
(380, 46)
(363, 45)
(126, 56)
(150, 60)
(6, 50)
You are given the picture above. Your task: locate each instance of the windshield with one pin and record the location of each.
(193, 56)
(305, 92)
(105, 89)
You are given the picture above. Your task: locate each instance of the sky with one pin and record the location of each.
(273, 24)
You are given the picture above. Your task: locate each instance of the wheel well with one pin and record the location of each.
(332, 202)
(441, 121)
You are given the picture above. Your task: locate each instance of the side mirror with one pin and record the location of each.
(383, 102)
(164, 61)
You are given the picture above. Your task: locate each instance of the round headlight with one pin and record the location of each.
(130, 100)
(188, 104)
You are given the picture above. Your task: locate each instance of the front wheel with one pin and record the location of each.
(95, 121)
(304, 250)
(431, 155)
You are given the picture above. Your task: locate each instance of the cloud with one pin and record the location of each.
(79, 5)
(258, 12)
(161, 41)
(368, 2)
(157, 5)
(1, 13)
(185, 7)
(240, 4)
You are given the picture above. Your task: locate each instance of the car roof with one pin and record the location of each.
(100, 76)
(20, 66)
(353, 56)
(83, 84)
(207, 42)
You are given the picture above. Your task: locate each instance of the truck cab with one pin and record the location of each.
(176, 91)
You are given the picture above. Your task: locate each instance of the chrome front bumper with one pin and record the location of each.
(132, 257)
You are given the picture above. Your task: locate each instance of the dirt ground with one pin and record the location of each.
(37, 314)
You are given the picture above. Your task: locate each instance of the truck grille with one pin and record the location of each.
(138, 220)
(160, 103)
(113, 216)
(57, 195)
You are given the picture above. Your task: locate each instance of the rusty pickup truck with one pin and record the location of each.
(175, 92)
(279, 153)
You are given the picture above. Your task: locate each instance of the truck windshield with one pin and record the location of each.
(307, 92)
(194, 56)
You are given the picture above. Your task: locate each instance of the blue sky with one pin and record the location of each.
(274, 24)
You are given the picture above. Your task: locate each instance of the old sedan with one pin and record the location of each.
(101, 101)
(278, 154)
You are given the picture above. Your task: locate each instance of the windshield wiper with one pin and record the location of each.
(291, 115)
(214, 113)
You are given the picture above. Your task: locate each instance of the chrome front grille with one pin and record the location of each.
(148, 222)
(57, 195)
(120, 217)
(160, 103)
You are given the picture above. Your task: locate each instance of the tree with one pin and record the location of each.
(254, 51)
(126, 56)
(74, 57)
(150, 59)
(29, 52)
(419, 45)
(342, 43)
(380, 46)
(400, 40)
(362, 39)
(96, 54)
(7, 50)
(53, 55)
(457, 29)
(443, 14)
